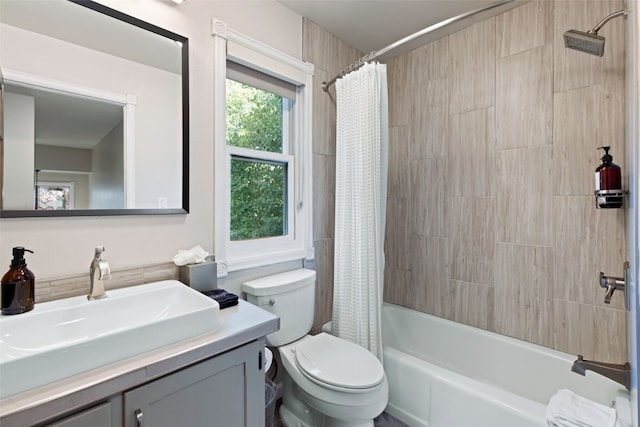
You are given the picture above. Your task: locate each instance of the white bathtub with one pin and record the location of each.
(445, 374)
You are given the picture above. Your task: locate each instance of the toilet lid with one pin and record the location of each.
(332, 361)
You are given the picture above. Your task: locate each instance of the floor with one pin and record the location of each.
(276, 420)
(384, 420)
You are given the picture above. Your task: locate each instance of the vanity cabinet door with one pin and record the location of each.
(98, 416)
(224, 391)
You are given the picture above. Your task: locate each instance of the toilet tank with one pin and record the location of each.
(291, 297)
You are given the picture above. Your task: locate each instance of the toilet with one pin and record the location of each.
(328, 381)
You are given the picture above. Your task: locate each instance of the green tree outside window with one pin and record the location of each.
(258, 188)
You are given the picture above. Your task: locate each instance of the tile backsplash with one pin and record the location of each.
(70, 286)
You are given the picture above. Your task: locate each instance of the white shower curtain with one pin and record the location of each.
(361, 194)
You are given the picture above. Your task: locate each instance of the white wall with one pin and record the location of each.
(64, 246)
(19, 128)
(106, 189)
(52, 157)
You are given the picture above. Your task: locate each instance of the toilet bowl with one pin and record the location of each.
(328, 381)
(336, 378)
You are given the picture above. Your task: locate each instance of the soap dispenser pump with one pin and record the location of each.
(608, 191)
(17, 287)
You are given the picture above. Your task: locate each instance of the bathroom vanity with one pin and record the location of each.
(216, 378)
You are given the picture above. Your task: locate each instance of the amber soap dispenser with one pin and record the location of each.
(608, 192)
(17, 287)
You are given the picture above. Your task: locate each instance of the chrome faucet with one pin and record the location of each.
(618, 373)
(612, 284)
(98, 271)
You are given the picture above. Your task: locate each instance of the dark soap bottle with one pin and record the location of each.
(18, 285)
(608, 192)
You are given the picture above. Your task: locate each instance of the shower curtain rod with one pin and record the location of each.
(374, 54)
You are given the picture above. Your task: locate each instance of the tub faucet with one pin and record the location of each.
(618, 373)
(98, 271)
(612, 284)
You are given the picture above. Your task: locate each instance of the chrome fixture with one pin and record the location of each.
(618, 373)
(589, 42)
(430, 29)
(98, 271)
(612, 284)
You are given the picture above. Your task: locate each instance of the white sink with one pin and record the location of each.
(65, 337)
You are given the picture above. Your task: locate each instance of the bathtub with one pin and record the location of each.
(445, 374)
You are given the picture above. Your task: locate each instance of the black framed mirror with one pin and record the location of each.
(95, 112)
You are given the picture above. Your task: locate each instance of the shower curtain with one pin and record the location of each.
(361, 196)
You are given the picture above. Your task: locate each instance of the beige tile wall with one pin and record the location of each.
(329, 55)
(503, 228)
(490, 217)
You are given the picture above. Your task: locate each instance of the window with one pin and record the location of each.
(258, 199)
(54, 195)
(263, 155)
(257, 122)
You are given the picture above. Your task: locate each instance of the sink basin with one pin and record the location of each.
(65, 337)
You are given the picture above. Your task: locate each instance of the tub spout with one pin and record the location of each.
(618, 373)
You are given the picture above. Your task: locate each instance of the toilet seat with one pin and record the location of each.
(338, 364)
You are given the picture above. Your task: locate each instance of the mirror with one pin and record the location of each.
(94, 107)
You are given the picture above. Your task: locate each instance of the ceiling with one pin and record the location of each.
(65, 120)
(370, 25)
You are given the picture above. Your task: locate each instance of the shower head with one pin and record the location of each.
(588, 42)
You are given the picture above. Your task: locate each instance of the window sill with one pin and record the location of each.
(243, 263)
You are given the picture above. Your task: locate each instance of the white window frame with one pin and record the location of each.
(297, 244)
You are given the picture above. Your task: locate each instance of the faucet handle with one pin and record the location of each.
(99, 251)
(105, 270)
(612, 284)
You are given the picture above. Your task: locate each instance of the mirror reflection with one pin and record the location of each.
(94, 114)
(78, 146)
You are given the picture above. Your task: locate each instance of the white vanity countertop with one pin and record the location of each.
(239, 325)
